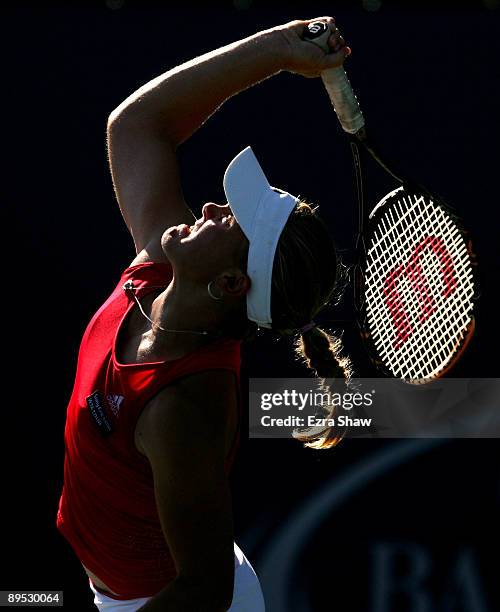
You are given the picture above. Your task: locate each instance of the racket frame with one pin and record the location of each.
(368, 219)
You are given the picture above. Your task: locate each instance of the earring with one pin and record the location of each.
(210, 293)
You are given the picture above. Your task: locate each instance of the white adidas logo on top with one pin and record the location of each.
(115, 401)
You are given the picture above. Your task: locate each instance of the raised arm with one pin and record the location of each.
(185, 433)
(145, 130)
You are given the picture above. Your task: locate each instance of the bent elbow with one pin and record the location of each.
(116, 117)
(125, 119)
(112, 120)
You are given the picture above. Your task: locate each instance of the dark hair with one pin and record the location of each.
(307, 274)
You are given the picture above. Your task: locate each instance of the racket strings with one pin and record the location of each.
(442, 332)
(434, 267)
(435, 349)
(419, 316)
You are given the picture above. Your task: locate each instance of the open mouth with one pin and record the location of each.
(183, 231)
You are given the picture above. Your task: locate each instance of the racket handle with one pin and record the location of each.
(337, 84)
(344, 101)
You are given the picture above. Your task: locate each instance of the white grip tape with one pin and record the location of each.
(344, 101)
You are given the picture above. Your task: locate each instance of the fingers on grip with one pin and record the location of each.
(328, 40)
(320, 40)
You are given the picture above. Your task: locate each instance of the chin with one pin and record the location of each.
(175, 248)
(168, 240)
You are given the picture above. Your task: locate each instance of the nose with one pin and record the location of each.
(213, 211)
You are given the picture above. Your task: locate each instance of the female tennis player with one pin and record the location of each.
(153, 420)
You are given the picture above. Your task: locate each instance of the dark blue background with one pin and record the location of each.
(428, 79)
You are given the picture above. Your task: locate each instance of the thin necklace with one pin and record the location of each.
(129, 286)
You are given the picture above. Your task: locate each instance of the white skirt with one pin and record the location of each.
(247, 594)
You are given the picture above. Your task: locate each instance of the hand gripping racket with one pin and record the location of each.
(415, 286)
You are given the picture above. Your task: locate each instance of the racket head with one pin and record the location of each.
(416, 286)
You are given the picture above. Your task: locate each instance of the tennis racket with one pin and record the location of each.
(415, 279)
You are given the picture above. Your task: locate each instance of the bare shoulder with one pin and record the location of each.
(195, 409)
(152, 252)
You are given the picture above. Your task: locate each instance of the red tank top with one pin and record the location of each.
(107, 509)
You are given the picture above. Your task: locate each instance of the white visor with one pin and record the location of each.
(262, 212)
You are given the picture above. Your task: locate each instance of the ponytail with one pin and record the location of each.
(321, 352)
(308, 275)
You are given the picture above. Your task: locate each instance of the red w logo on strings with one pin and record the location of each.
(413, 271)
